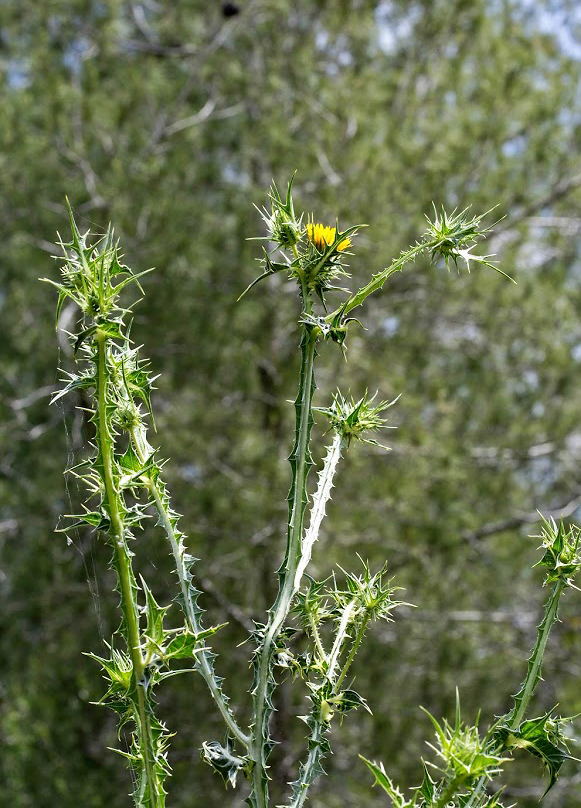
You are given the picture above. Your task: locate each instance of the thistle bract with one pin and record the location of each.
(562, 551)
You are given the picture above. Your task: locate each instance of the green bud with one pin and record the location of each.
(286, 232)
(562, 552)
(352, 419)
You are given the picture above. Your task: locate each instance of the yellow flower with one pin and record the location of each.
(323, 237)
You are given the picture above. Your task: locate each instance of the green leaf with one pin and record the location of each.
(135, 469)
(83, 337)
(96, 519)
(154, 614)
(130, 461)
(348, 700)
(118, 670)
(75, 383)
(223, 760)
(118, 269)
(540, 737)
(185, 644)
(111, 329)
(272, 268)
(427, 789)
(387, 785)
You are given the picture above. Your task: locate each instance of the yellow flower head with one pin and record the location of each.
(322, 237)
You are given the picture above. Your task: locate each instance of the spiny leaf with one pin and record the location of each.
(427, 788)
(348, 700)
(96, 519)
(381, 779)
(539, 736)
(154, 614)
(223, 760)
(185, 645)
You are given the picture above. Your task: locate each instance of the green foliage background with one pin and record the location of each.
(170, 120)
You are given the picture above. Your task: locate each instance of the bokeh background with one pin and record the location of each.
(171, 119)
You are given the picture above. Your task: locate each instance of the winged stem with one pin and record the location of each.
(533, 676)
(320, 500)
(203, 661)
(300, 463)
(129, 607)
(524, 695)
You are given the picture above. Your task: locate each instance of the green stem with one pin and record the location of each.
(524, 695)
(354, 648)
(377, 281)
(123, 566)
(447, 794)
(311, 767)
(317, 638)
(128, 604)
(203, 664)
(300, 462)
(477, 793)
(202, 660)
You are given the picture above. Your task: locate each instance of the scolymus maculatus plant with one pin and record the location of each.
(468, 761)
(124, 480)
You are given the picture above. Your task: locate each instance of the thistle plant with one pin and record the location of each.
(469, 762)
(124, 480)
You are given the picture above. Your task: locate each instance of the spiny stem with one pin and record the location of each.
(340, 639)
(523, 697)
(320, 500)
(300, 461)
(378, 280)
(354, 648)
(477, 793)
(123, 564)
(119, 543)
(308, 772)
(156, 798)
(447, 794)
(317, 637)
(202, 662)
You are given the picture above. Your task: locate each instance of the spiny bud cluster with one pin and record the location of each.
(353, 419)
(562, 551)
(93, 276)
(311, 254)
(451, 236)
(284, 227)
(464, 754)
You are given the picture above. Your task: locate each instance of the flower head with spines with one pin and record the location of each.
(562, 550)
(452, 236)
(353, 419)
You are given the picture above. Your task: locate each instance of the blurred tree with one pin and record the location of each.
(170, 120)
